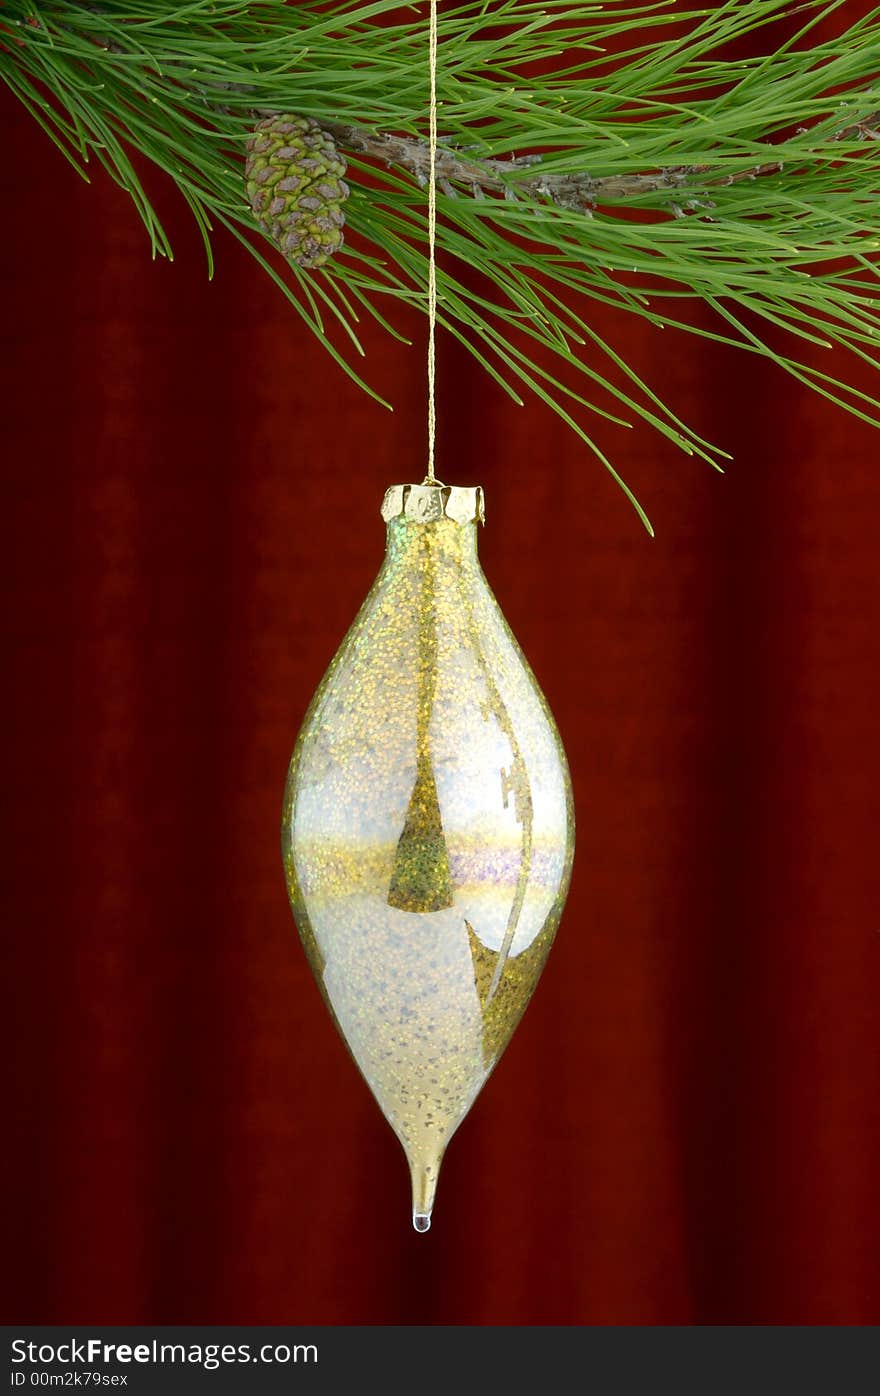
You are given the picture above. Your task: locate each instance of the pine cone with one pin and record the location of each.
(293, 173)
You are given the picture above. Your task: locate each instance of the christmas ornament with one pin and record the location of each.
(293, 174)
(428, 828)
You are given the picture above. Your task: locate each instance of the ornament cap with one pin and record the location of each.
(426, 503)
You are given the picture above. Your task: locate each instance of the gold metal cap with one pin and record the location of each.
(427, 503)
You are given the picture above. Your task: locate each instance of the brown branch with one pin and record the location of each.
(581, 192)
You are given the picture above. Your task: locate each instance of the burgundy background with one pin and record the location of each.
(686, 1127)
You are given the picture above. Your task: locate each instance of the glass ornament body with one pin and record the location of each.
(428, 829)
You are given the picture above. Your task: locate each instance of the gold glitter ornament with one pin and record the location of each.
(428, 829)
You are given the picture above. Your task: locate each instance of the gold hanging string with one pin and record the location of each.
(431, 478)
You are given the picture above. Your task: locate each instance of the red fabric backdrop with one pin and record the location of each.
(686, 1127)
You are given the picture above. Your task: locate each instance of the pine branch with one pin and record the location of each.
(580, 192)
(627, 106)
(482, 177)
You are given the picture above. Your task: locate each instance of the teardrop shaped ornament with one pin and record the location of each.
(428, 829)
